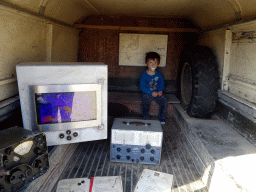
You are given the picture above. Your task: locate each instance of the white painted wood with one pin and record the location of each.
(238, 104)
(27, 38)
(7, 81)
(243, 90)
(228, 41)
(49, 42)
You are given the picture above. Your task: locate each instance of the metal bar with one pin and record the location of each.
(172, 170)
(132, 177)
(83, 160)
(99, 160)
(76, 161)
(168, 170)
(7, 81)
(104, 162)
(195, 174)
(91, 163)
(125, 178)
(181, 168)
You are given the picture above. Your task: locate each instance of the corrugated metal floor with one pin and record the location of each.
(93, 159)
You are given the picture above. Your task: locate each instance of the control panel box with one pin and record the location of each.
(136, 141)
(23, 158)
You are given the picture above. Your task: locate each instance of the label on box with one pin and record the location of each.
(74, 185)
(106, 184)
(152, 181)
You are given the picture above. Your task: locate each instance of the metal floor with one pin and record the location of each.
(92, 159)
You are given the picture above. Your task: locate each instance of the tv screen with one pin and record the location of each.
(66, 107)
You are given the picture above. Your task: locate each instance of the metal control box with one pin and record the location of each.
(23, 157)
(136, 141)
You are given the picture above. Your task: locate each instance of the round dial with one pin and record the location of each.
(148, 146)
(61, 135)
(118, 156)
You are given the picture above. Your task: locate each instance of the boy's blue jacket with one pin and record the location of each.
(150, 84)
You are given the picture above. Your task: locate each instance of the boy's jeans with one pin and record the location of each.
(160, 100)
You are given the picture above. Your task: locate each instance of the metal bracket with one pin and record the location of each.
(101, 127)
(42, 10)
(100, 81)
(238, 16)
(243, 37)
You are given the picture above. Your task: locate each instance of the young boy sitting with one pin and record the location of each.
(152, 86)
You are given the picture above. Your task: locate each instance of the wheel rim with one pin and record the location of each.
(186, 84)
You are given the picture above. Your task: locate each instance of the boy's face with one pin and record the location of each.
(152, 64)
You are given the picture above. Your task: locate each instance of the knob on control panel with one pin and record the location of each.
(148, 146)
(153, 151)
(9, 151)
(128, 150)
(69, 138)
(118, 156)
(152, 158)
(128, 157)
(141, 158)
(68, 132)
(61, 135)
(75, 134)
(118, 149)
(37, 150)
(142, 150)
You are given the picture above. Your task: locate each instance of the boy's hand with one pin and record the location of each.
(160, 93)
(154, 94)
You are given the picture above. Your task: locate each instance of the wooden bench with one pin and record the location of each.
(120, 97)
(121, 104)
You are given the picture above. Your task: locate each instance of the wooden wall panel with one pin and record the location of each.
(100, 45)
(103, 46)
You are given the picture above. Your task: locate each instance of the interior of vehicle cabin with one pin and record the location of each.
(207, 62)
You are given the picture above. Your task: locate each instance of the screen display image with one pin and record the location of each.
(66, 107)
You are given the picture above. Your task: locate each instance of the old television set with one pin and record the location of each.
(66, 101)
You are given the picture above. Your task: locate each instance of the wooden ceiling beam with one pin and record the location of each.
(125, 28)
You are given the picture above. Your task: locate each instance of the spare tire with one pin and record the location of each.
(198, 80)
